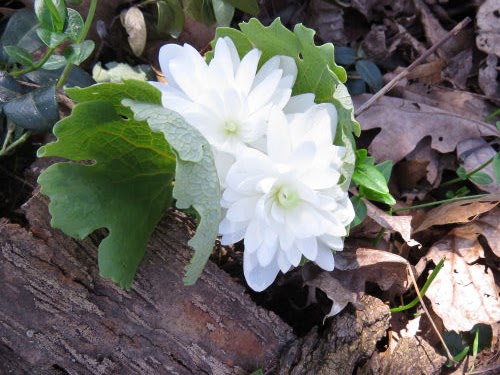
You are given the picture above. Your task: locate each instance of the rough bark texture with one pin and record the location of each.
(348, 341)
(411, 356)
(57, 314)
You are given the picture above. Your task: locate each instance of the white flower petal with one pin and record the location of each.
(279, 145)
(334, 243)
(253, 237)
(308, 246)
(294, 256)
(246, 71)
(267, 250)
(325, 259)
(283, 262)
(299, 103)
(242, 210)
(259, 277)
(231, 232)
(264, 91)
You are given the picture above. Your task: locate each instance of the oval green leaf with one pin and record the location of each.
(19, 55)
(36, 110)
(51, 14)
(370, 73)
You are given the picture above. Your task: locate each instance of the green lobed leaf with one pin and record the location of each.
(317, 71)
(196, 180)
(37, 110)
(119, 175)
(51, 14)
(223, 12)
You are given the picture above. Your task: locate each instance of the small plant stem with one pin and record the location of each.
(36, 66)
(8, 136)
(490, 117)
(389, 86)
(24, 137)
(83, 35)
(437, 203)
(458, 179)
(424, 307)
(428, 282)
(377, 239)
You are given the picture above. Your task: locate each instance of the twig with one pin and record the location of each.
(414, 281)
(389, 86)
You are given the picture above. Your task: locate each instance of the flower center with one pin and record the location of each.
(287, 196)
(231, 127)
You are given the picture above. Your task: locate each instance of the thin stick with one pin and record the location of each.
(412, 66)
(414, 281)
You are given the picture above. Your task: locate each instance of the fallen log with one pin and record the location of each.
(57, 316)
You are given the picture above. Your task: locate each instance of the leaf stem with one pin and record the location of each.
(86, 28)
(22, 139)
(424, 307)
(437, 203)
(428, 282)
(38, 65)
(468, 175)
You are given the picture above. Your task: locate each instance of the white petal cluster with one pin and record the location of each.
(274, 154)
(287, 203)
(227, 100)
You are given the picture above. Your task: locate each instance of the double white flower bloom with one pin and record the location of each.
(228, 101)
(280, 170)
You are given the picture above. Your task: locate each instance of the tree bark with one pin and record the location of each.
(57, 314)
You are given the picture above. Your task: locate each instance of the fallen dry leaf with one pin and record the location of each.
(473, 153)
(463, 103)
(403, 124)
(400, 224)
(490, 224)
(424, 162)
(488, 77)
(353, 270)
(488, 38)
(464, 292)
(327, 19)
(458, 212)
(134, 23)
(376, 9)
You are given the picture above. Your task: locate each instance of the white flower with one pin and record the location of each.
(287, 204)
(227, 100)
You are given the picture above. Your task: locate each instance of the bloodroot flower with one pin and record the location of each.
(227, 100)
(287, 203)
